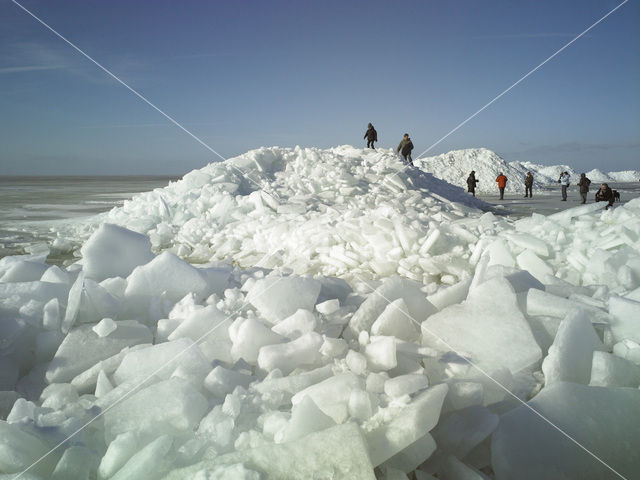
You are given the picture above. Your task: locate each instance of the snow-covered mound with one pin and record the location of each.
(626, 176)
(549, 173)
(337, 212)
(597, 176)
(455, 166)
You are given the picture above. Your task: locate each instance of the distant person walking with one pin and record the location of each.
(605, 194)
(472, 182)
(584, 183)
(528, 185)
(564, 184)
(371, 135)
(502, 183)
(405, 148)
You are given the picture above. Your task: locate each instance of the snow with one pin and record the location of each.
(325, 324)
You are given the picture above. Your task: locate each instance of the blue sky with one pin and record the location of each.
(243, 74)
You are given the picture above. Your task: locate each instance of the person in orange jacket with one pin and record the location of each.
(502, 182)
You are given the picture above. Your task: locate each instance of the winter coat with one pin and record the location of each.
(564, 179)
(528, 181)
(584, 184)
(371, 134)
(502, 181)
(471, 182)
(405, 146)
(605, 195)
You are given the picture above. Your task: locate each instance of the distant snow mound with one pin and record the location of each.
(325, 211)
(625, 176)
(598, 176)
(455, 166)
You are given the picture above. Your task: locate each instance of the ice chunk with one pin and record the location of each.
(166, 274)
(306, 418)
(328, 307)
(103, 385)
(249, 337)
(332, 395)
(169, 407)
(356, 362)
(277, 298)
(81, 348)
(119, 451)
(629, 350)
(500, 253)
(293, 384)
(411, 423)
(51, 315)
(222, 381)
(288, 356)
(395, 321)
(570, 355)
(405, 385)
(418, 307)
(626, 319)
(19, 450)
(537, 267)
(77, 462)
(496, 333)
(586, 414)
(105, 327)
(381, 353)
(148, 463)
(201, 323)
(454, 468)
(73, 303)
(114, 251)
(303, 321)
(408, 459)
(608, 370)
(339, 451)
(451, 295)
(24, 271)
(161, 360)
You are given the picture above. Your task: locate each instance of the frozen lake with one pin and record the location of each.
(30, 206)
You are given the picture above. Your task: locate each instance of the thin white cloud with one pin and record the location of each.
(28, 68)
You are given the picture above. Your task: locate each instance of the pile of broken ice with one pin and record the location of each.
(129, 364)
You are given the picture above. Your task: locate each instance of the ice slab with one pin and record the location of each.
(626, 319)
(277, 298)
(570, 355)
(496, 333)
(148, 463)
(170, 407)
(412, 422)
(339, 453)
(114, 251)
(332, 395)
(609, 370)
(525, 447)
(306, 418)
(303, 351)
(19, 450)
(82, 348)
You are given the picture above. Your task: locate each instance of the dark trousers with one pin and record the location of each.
(564, 192)
(472, 191)
(501, 192)
(583, 196)
(407, 159)
(370, 143)
(528, 191)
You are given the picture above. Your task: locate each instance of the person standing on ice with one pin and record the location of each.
(584, 187)
(405, 148)
(502, 182)
(371, 135)
(472, 182)
(564, 184)
(528, 185)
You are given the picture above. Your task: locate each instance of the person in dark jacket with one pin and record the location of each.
(405, 148)
(472, 182)
(371, 135)
(528, 185)
(584, 183)
(605, 194)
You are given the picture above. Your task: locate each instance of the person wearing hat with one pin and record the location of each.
(528, 185)
(584, 187)
(605, 194)
(502, 183)
(405, 148)
(472, 182)
(564, 184)
(371, 135)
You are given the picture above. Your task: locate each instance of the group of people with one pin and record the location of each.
(404, 149)
(604, 193)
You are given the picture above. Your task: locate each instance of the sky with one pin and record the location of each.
(243, 74)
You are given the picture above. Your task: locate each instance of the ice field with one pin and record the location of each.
(304, 313)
